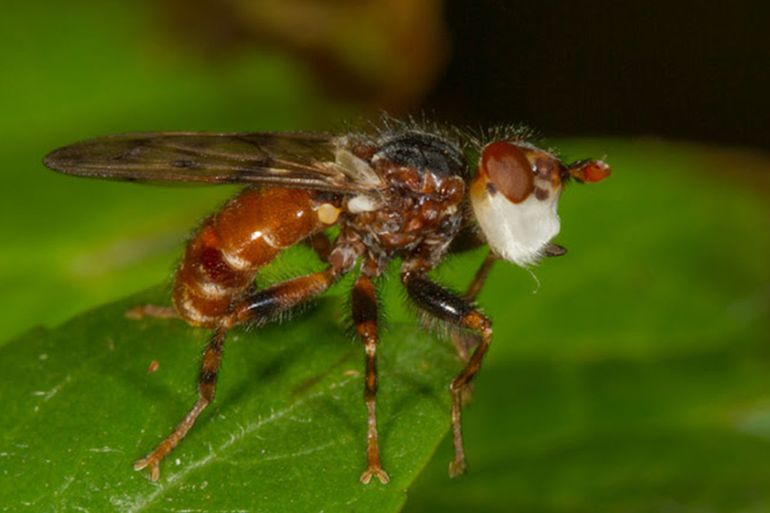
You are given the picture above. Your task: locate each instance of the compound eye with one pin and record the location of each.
(508, 171)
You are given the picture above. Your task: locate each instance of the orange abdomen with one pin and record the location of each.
(247, 233)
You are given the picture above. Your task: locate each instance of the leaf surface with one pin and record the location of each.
(286, 432)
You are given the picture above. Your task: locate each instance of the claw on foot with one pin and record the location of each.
(456, 468)
(375, 472)
(152, 463)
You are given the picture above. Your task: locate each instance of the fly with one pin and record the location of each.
(404, 192)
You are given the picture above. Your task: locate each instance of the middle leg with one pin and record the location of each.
(364, 303)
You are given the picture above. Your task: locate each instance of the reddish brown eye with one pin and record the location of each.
(508, 170)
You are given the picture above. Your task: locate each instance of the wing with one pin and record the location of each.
(292, 159)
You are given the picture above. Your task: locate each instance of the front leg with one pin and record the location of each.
(463, 342)
(448, 306)
(551, 250)
(480, 278)
(364, 303)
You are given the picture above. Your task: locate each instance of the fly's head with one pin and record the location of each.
(515, 195)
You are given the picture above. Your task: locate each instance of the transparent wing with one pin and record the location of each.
(291, 159)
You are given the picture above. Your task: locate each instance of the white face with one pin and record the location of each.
(518, 232)
(514, 198)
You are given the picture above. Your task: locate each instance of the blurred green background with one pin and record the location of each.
(629, 375)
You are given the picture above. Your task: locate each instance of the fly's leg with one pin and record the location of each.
(447, 306)
(320, 243)
(364, 304)
(155, 311)
(259, 307)
(551, 250)
(264, 305)
(463, 342)
(480, 277)
(207, 378)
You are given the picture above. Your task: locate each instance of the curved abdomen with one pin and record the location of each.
(229, 248)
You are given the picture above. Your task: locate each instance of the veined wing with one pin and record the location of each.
(289, 159)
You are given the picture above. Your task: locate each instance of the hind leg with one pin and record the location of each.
(258, 308)
(207, 378)
(155, 311)
(318, 242)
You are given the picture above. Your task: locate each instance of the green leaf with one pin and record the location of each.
(634, 379)
(286, 432)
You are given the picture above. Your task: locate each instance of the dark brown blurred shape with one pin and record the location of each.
(684, 69)
(385, 54)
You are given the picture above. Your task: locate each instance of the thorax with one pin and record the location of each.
(418, 211)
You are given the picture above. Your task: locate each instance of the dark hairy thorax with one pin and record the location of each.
(419, 211)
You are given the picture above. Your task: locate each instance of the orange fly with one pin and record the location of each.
(402, 192)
